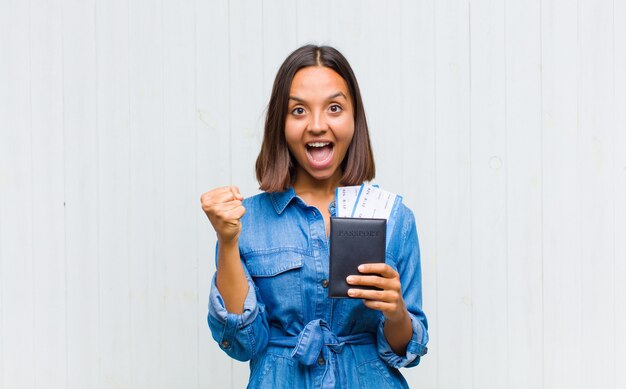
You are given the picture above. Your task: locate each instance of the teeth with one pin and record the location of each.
(318, 144)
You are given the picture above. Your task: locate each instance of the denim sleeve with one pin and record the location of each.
(241, 336)
(408, 266)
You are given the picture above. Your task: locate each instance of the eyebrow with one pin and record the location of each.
(329, 97)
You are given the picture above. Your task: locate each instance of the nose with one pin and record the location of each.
(318, 124)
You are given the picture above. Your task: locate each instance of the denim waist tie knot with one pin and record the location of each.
(316, 338)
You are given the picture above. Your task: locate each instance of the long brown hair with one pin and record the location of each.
(275, 166)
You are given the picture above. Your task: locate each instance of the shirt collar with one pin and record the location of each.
(280, 200)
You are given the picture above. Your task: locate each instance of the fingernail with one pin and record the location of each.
(351, 292)
(349, 279)
(361, 267)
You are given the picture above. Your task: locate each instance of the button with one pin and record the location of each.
(320, 360)
(325, 283)
(225, 344)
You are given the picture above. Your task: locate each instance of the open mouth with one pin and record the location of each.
(319, 153)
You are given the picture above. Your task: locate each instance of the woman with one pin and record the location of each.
(268, 301)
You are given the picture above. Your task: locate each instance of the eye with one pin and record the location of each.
(298, 111)
(335, 108)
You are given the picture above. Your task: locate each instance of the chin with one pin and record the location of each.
(322, 176)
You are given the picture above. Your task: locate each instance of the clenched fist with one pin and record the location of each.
(224, 209)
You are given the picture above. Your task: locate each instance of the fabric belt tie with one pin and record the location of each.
(312, 340)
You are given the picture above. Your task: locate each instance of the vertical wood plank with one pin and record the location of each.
(247, 104)
(48, 183)
(313, 21)
(279, 23)
(17, 197)
(562, 259)
(454, 246)
(146, 187)
(619, 171)
(596, 160)
(114, 160)
(418, 169)
(213, 167)
(488, 161)
(81, 193)
(179, 357)
(524, 188)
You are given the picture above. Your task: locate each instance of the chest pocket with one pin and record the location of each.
(278, 278)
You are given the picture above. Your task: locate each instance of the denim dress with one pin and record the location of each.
(294, 335)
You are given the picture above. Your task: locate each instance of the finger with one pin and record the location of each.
(378, 268)
(235, 213)
(219, 208)
(380, 305)
(219, 190)
(377, 281)
(236, 192)
(210, 196)
(377, 295)
(218, 196)
(227, 206)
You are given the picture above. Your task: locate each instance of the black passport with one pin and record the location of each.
(353, 241)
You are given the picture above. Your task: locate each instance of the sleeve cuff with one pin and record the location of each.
(414, 350)
(231, 322)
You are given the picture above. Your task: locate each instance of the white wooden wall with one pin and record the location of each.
(503, 124)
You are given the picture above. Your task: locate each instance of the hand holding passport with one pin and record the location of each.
(358, 233)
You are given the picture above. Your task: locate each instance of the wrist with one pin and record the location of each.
(227, 249)
(399, 318)
(228, 243)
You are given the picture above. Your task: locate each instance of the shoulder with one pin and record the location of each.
(403, 235)
(258, 207)
(405, 221)
(257, 200)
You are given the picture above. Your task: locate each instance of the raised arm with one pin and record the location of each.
(224, 209)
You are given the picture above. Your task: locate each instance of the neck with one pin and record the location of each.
(304, 183)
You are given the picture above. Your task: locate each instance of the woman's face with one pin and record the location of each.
(320, 121)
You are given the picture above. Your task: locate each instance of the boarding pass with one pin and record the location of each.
(366, 201)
